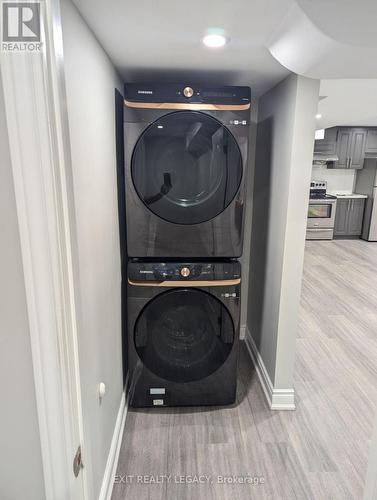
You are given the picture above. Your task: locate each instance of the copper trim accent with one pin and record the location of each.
(186, 105)
(185, 284)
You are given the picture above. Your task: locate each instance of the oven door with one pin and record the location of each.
(183, 335)
(321, 214)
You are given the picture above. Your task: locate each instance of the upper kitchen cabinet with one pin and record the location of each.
(350, 147)
(371, 143)
(350, 144)
(327, 145)
(357, 151)
(343, 146)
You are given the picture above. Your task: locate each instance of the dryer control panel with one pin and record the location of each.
(183, 271)
(186, 92)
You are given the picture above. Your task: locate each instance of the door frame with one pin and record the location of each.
(37, 119)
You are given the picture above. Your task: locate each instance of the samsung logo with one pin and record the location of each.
(145, 91)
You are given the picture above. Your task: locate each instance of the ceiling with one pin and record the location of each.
(328, 39)
(347, 21)
(161, 40)
(348, 102)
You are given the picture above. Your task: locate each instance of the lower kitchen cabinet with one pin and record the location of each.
(342, 207)
(349, 216)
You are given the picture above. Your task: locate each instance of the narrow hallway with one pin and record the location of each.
(320, 450)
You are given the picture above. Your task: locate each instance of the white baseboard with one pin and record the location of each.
(113, 457)
(277, 399)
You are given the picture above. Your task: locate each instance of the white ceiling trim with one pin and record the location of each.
(303, 48)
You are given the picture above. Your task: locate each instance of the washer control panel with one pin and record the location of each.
(186, 271)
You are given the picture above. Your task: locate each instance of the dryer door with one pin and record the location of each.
(184, 335)
(186, 167)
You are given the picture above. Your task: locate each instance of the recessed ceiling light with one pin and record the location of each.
(318, 116)
(214, 40)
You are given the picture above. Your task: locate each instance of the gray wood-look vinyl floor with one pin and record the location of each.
(319, 451)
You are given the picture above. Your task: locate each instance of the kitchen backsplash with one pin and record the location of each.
(338, 180)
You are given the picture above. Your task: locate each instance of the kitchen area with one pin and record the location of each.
(337, 332)
(343, 189)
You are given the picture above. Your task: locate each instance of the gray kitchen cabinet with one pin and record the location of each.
(371, 142)
(350, 147)
(349, 216)
(341, 217)
(355, 218)
(357, 150)
(327, 145)
(343, 146)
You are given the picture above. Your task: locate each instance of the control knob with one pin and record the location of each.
(188, 92)
(185, 272)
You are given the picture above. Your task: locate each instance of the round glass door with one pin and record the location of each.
(184, 335)
(186, 167)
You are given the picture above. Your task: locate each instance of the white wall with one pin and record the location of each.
(285, 141)
(90, 83)
(339, 180)
(21, 473)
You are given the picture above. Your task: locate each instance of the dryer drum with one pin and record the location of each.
(186, 167)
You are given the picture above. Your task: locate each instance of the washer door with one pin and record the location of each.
(186, 167)
(184, 335)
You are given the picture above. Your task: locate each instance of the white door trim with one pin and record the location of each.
(40, 154)
(113, 456)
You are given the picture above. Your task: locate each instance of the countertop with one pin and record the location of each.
(350, 195)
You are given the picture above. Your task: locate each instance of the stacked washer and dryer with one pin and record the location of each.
(185, 159)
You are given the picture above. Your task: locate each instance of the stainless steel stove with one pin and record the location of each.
(321, 212)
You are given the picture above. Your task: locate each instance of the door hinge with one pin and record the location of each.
(77, 462)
